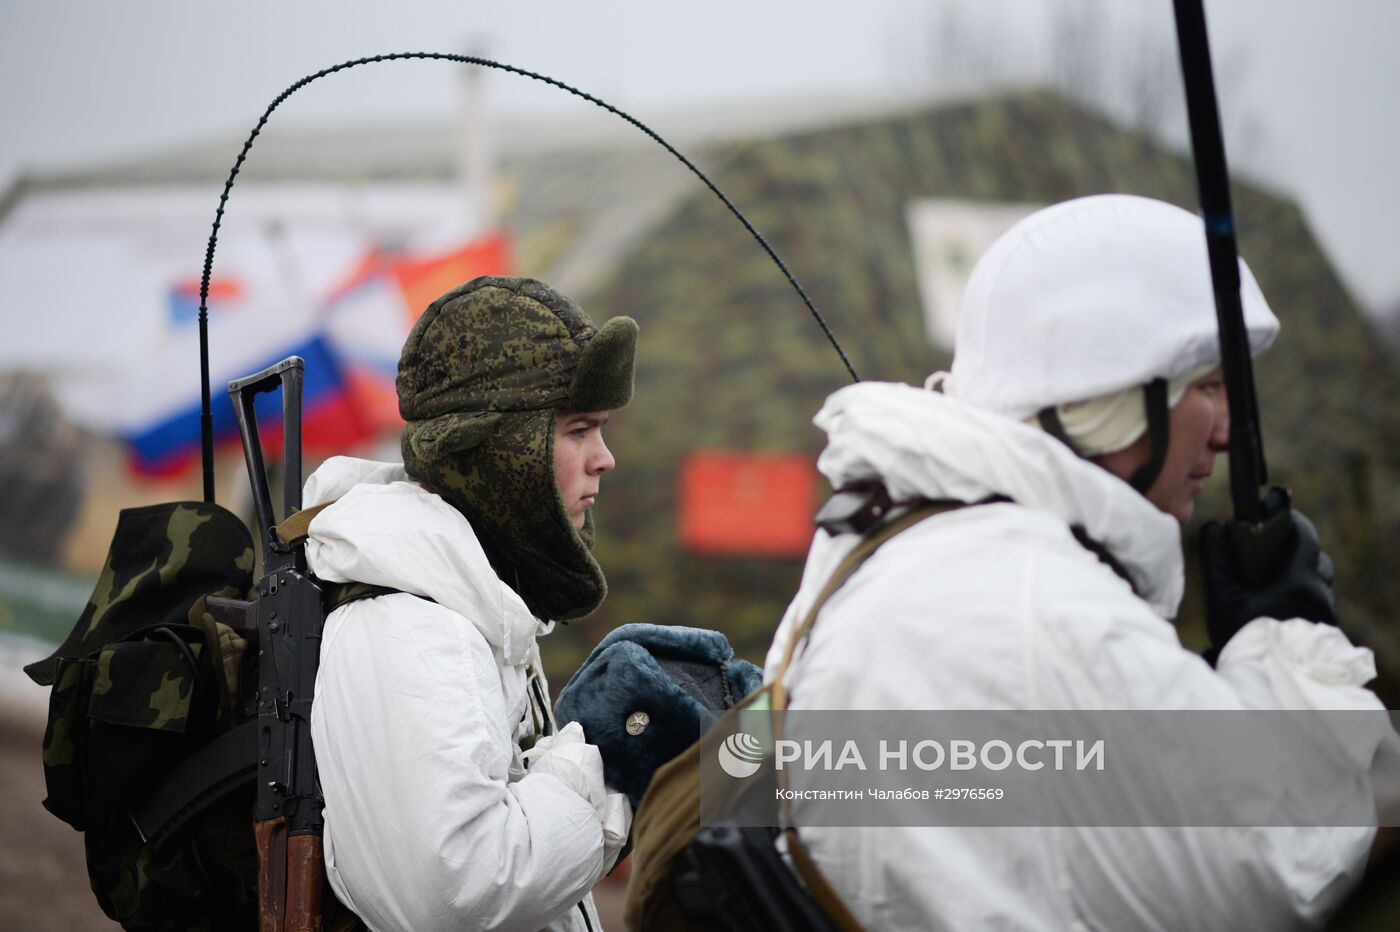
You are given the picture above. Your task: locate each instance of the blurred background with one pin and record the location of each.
(879, 151)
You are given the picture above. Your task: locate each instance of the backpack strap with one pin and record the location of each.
(817, 885)
(853, 561)
(334, 595)
(225, 764)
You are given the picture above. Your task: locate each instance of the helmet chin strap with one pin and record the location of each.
(1159, 418)
(1154, 395)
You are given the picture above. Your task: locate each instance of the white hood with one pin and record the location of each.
(924, 444)
(387, 530)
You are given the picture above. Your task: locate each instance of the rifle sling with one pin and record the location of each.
(297, 527)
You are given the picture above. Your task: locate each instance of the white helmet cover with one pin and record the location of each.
(1090, 297)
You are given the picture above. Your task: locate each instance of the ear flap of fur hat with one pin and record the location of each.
(446, 435)
(668, 683)
(603, 377)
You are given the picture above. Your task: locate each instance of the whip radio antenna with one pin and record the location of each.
(206, 417)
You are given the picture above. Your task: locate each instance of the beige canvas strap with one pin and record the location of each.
(822, 894)
(817, 885)
(844, 571)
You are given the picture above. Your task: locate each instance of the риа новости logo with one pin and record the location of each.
(740, 755)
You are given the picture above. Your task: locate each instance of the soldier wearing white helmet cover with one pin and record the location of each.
(1086, 401)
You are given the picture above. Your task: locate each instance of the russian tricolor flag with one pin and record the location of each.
(97, 298)
(350, 345)
(329, 419)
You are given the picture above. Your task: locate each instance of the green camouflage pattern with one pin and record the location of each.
(127, 705)
(510, 344)
(144, 684)
(162, 561)
(480, 379)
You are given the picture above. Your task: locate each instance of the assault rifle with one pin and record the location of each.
(288, 610)
(282, 623)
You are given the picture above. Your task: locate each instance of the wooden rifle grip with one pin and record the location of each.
(306, 867)
(271, 839)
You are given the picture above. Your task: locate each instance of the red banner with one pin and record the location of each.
(747, 504)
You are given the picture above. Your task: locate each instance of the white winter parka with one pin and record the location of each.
(432, 821)
(999, 607)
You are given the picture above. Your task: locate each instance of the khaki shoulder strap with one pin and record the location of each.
(823, 894)
(853, 561)
(297, 527)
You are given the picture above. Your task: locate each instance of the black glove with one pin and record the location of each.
(1300, 588)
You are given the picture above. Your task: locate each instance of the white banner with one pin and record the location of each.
(948, 237)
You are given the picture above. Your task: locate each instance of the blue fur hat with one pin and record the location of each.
(646, 693)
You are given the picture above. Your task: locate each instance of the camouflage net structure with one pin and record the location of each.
(726, 361)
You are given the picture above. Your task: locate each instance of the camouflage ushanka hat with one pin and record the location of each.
(480, 378)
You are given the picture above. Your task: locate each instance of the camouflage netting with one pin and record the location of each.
(730, 359)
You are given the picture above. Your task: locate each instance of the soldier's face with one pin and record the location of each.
(580, 459)
(1200, 431)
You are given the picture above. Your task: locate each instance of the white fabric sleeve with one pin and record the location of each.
(430, 823)
(1298, 664)
(1278, 875)
(568, 756)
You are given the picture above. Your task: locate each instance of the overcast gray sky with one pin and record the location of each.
(1310, 86)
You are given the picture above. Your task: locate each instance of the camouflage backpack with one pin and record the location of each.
(146, 678)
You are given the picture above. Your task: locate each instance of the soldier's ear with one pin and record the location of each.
(449, 434)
